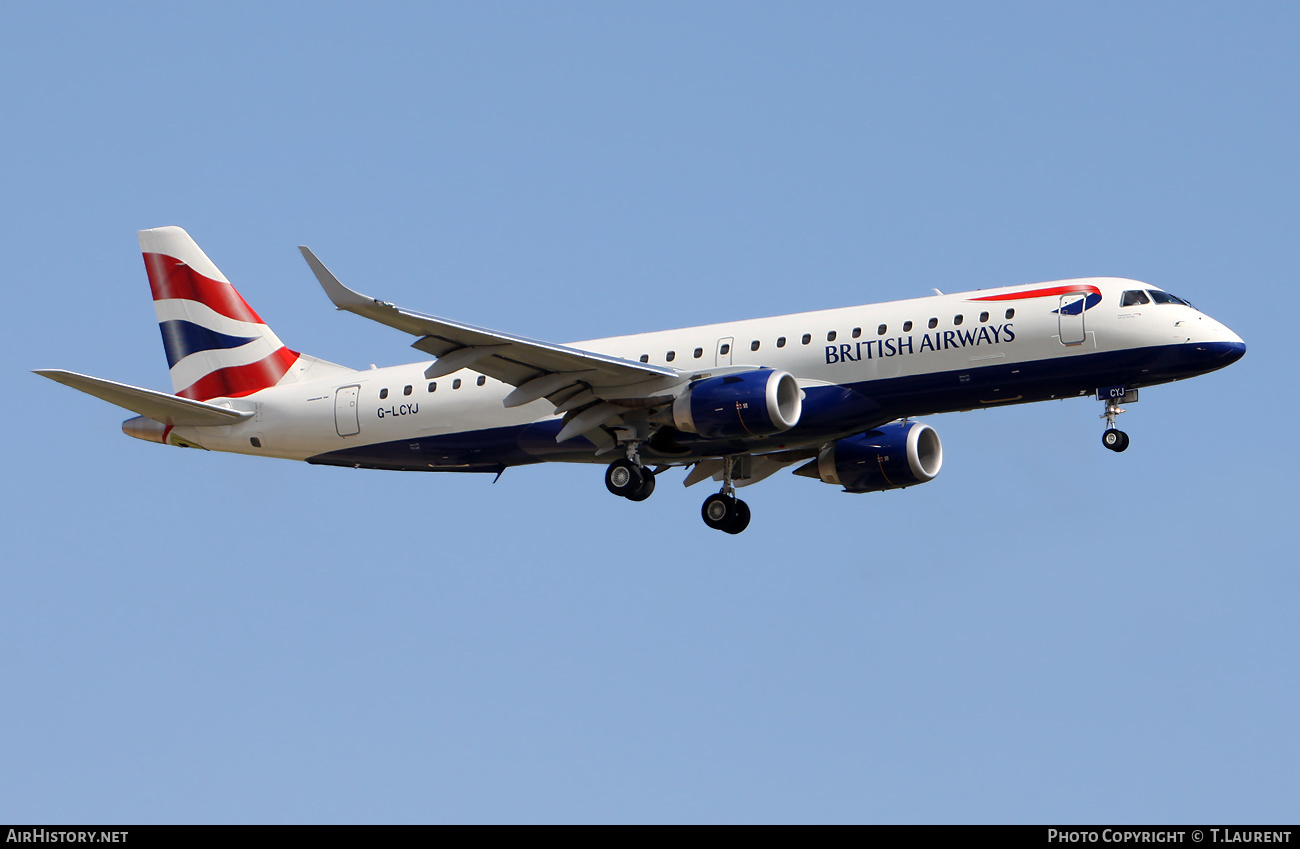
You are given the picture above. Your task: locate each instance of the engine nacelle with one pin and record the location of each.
(761, 402)
(890, 457)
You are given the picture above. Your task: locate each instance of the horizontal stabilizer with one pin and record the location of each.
(159, 406)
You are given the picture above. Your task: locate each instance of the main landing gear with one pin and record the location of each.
(723, 511)
(629, 479)
(1115, 440)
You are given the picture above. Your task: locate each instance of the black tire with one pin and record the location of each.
(623, 478)
(740, 520)
(718, 511)
(1113, 439)
(1123, 442)
(645, 489)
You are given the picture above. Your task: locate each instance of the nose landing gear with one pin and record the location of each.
(1114, 439)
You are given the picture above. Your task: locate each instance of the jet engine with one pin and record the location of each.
(761, 402)
(890, 457)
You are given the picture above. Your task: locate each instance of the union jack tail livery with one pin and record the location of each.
(217, 346)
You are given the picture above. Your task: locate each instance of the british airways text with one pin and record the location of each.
(874, 349)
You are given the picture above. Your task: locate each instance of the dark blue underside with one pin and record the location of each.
(828, 411)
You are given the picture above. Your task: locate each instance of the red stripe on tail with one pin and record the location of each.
(170, 278)
(237, 381)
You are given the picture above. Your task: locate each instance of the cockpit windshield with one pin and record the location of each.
(1133, 298)
(1165, 298)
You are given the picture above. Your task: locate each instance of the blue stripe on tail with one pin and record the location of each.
(182, 338)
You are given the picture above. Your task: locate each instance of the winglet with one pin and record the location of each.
(343, 297)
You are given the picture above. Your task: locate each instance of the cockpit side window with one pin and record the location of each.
(1134, 298)
(1166, 298)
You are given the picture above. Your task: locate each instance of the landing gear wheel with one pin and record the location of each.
(1115, 440)
(717, 509)
(724, 512)
(624, 478)
(647, 486)
(741, 519)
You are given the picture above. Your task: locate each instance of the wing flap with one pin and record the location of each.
(544, 385)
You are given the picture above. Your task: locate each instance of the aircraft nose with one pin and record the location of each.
(1234, 346)
(1221, 347)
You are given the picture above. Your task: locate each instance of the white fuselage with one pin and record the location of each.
(986, 332)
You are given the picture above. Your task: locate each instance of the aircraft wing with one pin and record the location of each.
(570, 378)
(159, 406)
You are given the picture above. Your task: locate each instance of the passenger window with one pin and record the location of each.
(383, 393)
(882, 330)
(934, 322)
(724, 350)
(455, 384)
(1134, 298)
(957, 320)
(645, 358)
(753, 346)
(857, 331)
(807, 337)
(907, 327)
(406, 390)
(1011, 314)
(830, 337)
(984, 316)
(780, 342)
(433, 386)
(670, 356)
(699, 352)
(481, 380)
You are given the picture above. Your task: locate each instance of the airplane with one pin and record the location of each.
(832, 393)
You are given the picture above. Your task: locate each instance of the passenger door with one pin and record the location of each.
(1070, 316)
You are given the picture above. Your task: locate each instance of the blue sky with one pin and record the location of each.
(1048, 632)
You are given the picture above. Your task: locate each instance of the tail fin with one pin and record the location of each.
(217, 346)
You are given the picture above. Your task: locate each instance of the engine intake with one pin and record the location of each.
(761, 402)
(890, 457)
